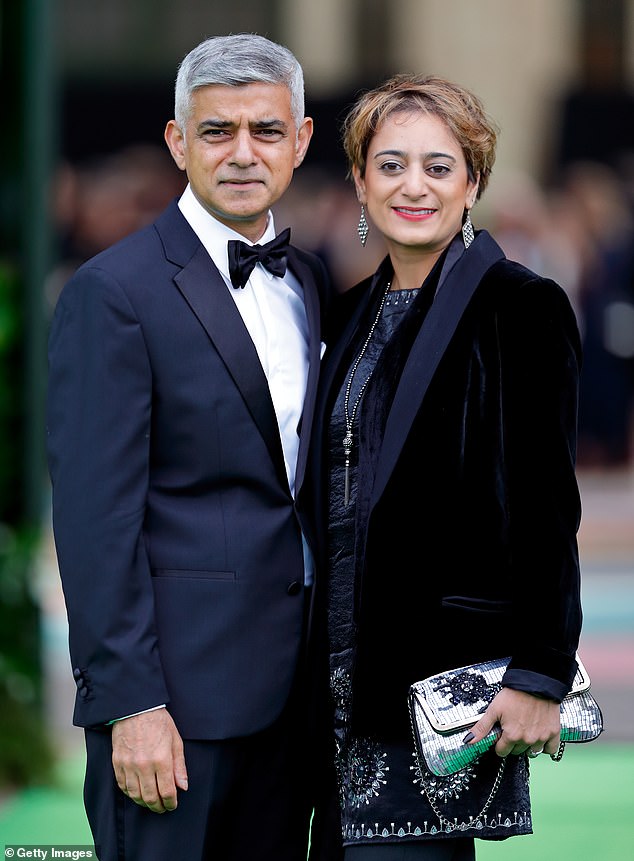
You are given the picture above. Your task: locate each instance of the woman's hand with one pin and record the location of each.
(529, 723)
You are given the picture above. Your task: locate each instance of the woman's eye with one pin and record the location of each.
(438, 169)
(390, 166)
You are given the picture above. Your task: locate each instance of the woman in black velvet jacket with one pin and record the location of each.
(448, 496)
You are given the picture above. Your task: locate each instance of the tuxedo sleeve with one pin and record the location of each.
(98, 438)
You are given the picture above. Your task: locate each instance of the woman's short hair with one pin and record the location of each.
(460, 110)
(243, 58)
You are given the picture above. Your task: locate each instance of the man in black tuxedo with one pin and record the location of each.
(183, 370)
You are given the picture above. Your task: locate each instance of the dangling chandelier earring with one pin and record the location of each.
(467, 230)
(362, 227)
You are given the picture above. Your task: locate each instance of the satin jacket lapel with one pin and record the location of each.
(311, 301)
(207, 295)
(428, 349)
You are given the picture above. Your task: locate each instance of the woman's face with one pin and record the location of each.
(416, 184)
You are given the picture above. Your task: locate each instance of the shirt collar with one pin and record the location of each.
(212, 233)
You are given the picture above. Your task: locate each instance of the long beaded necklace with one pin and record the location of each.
(350, 414)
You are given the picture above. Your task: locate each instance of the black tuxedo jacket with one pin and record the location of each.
(467, 548)
(178, 541)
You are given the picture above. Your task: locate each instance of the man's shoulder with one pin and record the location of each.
(127, 248)
(309, 258)
(318, 269)
(134, 253)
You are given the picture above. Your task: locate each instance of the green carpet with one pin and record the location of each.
(53, 814)
(583, 810)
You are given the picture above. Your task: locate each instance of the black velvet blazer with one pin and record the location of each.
(467, 547)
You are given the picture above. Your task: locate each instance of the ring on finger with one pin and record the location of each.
(534, 753)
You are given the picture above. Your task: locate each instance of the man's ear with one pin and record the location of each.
(175, 141)
(304, 134)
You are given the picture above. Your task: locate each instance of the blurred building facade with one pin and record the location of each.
(535, 64)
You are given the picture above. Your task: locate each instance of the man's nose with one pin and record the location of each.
(243, 153)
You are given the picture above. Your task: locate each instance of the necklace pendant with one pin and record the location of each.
(347, 449)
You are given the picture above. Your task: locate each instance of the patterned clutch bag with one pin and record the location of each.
(443, 707)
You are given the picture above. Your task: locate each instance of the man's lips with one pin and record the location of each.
(240, 181)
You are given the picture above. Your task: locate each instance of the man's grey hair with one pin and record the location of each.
(244, 58)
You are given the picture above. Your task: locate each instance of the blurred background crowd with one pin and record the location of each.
(88, 88)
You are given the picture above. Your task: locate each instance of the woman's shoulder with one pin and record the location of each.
(514, 285)
(510, 273)
(524, 300)
(342, 308)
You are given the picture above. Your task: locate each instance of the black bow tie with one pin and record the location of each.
(243, 257)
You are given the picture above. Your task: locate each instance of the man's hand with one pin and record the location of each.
(529, 724)
(148, 759)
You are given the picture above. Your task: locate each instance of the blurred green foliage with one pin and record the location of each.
(11, 383)
(25, 752)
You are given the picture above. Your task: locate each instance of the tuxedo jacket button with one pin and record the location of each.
(294, 588)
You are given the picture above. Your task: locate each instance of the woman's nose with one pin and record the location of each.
(415, 182)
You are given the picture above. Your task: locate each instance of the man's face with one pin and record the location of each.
(239, 151)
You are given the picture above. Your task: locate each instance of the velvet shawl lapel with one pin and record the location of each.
(206, 293)
(445, 313)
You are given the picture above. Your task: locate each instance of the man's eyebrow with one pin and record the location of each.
(269, 124)
(213, 122)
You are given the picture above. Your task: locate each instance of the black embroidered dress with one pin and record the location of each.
(383, 795)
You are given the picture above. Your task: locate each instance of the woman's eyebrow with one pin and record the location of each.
(402, 154)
